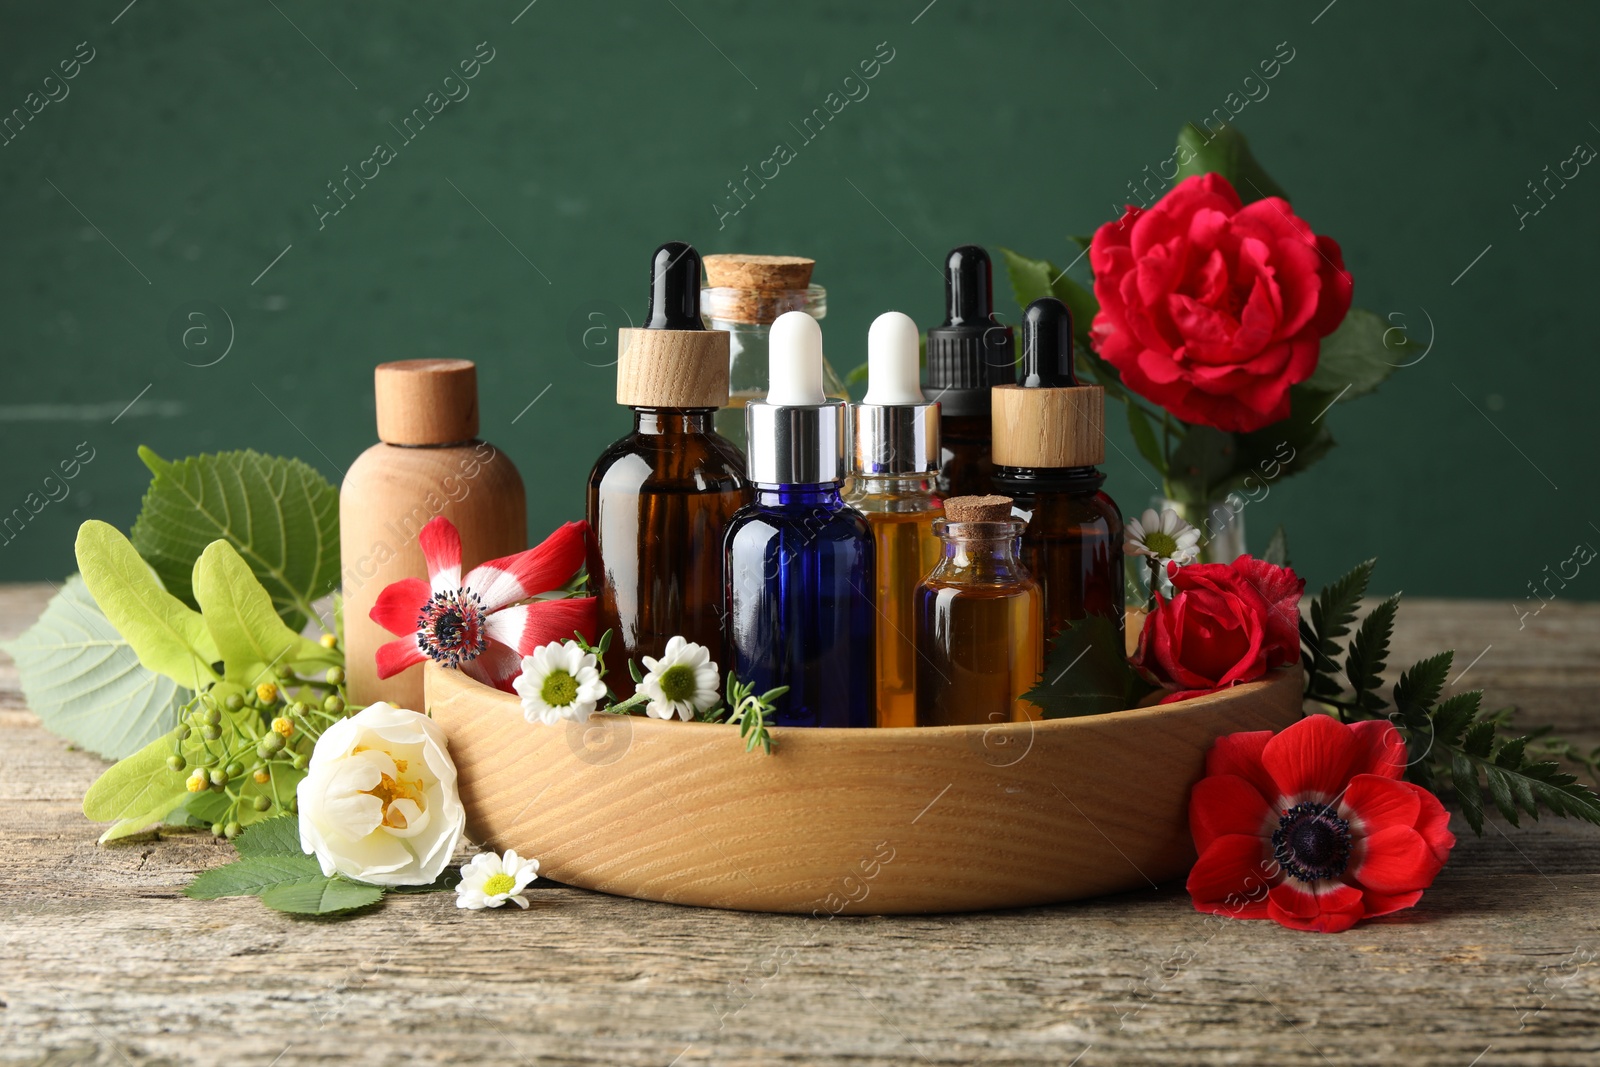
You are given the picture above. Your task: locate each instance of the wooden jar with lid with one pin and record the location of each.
(429, 462)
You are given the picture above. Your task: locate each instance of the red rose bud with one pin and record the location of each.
(1226, 624)
(1213, 309)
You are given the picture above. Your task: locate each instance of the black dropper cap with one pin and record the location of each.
(1047, 345)
(972, 350)
(675, 288)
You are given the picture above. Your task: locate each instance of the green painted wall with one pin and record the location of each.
(196, 144)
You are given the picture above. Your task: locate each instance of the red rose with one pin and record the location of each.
(1212, 309)
(1312, 828)
(1226, 623)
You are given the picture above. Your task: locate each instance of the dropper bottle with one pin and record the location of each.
(968, 354)
(799, 562)
(895, 435)
(1049, 434)
(660, 499)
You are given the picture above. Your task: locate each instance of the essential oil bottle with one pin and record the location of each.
(967, 355)
(799, 562)
(895, 445)
(744, 295)
(978, 620)
(1049, 434)
(661, 498)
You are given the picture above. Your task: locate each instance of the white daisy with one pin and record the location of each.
(1162, 537)
(488, 880)
(682, 682)
(559, 681)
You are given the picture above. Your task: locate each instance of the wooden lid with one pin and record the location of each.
(977, 508)
(672, 368)
(427, 401)
(1052, 427)
(734, 270)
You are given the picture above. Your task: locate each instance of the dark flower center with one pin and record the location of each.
(1311, 842)
(450, 628)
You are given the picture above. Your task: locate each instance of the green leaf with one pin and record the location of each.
(1030, 278)
(137, 791)
(321, 897)
(1080, 301)
(249, 635)
(1225, 152)
(1277, 550)
(1356, 356)
(1451, 718)
(1332, 615)
(1287, 447)
(254, 875)
(167, 636)
(85, 682)
(1203, 460)
(1369, 655)
(1144, 435)
(1087, 672)
(1420, 686)
(277, 836)
(280, 514)
(1465, 778)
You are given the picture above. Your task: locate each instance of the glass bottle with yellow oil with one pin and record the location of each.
(979, 620)
(896, 452)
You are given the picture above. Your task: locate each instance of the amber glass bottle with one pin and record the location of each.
(1049, 434)
(978, 620)
(660, 498)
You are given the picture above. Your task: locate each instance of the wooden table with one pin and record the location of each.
(106, 962)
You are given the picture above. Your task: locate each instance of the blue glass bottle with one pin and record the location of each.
(798, 560)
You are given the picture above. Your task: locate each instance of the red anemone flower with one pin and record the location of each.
(477, 623)
(1312, 827)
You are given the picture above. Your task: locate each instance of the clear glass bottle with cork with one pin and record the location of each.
(967, 354)
(1049, 434)
(744, 295)
(660, 499)
(978, 620)
(895, 446)
(429, 463)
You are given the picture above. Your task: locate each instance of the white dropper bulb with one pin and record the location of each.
(892, 361)
(794, 361)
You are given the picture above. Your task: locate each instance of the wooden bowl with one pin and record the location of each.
(873, 821)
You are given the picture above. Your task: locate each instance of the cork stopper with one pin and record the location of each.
(1049, 420)
(427, 401)
(673, 361)
(977, 509)
(732, 270)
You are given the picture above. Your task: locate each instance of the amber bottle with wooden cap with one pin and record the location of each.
(744, 295)
(661, 497)
(429, 463)
(978, 620)
(1049, 434)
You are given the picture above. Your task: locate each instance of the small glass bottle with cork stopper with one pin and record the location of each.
(660, 499)
(1049, 435)
(895, 435)
(978, 620)
(967, 354)
(428, 463)
(744, 295)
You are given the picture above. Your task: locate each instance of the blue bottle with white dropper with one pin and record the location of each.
(799, 561)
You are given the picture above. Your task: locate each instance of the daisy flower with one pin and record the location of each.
(682, 682)
(488, 880)
(559, 681)
(478, 623)
(1162, 537)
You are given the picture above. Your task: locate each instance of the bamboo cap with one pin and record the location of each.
(733, 270)
(977, 509)
(1048, 427)
(426, 401)
(673, 361)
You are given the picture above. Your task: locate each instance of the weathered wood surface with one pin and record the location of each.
(106, 962)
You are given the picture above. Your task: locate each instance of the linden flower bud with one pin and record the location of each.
(262, 776)
(335, 675)
(267, 693)
(328, 641)
(379, 801)
(198, 781)
(282, 726)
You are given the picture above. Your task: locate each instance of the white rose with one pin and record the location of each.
(379, 802)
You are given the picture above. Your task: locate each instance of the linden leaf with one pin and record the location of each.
(250, 637)
(137, 791)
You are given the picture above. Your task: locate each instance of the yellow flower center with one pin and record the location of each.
(559, 689)
(677, 682)
(1161, 543)
(388, 790)
(497, 884)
